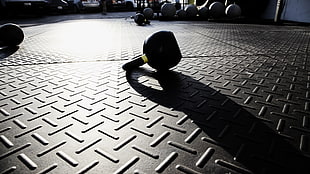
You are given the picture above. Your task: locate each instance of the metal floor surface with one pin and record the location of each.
(238, 102)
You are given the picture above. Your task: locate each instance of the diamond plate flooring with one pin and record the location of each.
(238, 102)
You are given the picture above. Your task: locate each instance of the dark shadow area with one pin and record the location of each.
(7, 51)
(245, 137)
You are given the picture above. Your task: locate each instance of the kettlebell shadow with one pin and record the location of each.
(248, 139)
(7, 51)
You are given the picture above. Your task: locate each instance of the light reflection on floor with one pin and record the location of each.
(83, 38)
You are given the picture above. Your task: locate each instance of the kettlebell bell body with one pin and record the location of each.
(11, 35)
(140, 19)
(160, 51)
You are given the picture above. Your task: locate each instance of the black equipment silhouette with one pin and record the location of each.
(161, 51)
(11, 35)
(140, 19)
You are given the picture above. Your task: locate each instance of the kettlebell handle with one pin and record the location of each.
(135, 63)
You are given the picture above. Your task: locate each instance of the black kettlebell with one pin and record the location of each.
(161, 51)
(11, 35)
(140, 19)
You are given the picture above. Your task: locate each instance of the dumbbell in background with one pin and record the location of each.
(215, 10)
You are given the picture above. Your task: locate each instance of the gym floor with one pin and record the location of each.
(238, 102)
